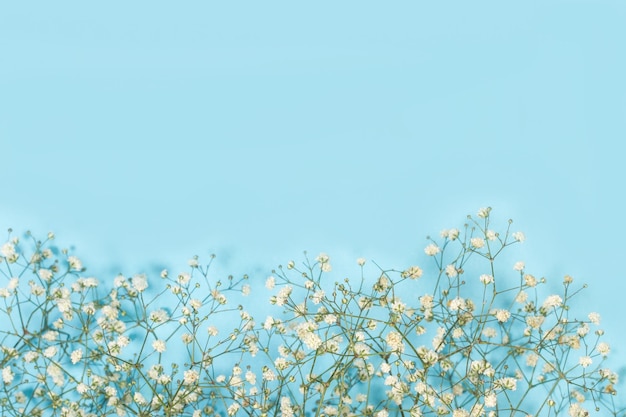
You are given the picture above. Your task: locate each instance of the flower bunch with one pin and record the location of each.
(475, 334)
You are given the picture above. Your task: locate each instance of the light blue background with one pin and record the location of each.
(146, 132)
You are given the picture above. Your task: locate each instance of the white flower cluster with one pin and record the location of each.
(465, 338)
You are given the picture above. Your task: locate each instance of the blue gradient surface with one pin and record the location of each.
(147, 132)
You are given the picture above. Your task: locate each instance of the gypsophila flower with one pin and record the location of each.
(477, 242)
(140, 282)
(432, 249)
(585, 361)
(270, 283)
(13, 283)
(501, 315)
(140, 399)
(82, 388)
(159, 316)
(451, 271)
(414, 272)
(75, 263)
(322, 258)
(76, 355)
(519, 236)
(483, 212)
(191, 376)
(394, 340)
(594, 318)
(451, 234)
(486, 279)
(519, 266)
(7, 375)
(530, 280)
(552, 301)
(159, 345)
(50, 351)
(603, 348)
(183, 278)
(45, 274)
(506, 383)
(360, 261)
(7, 250)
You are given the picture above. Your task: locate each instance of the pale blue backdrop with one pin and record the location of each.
(146, 132)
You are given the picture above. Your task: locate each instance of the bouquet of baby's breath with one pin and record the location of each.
(475, 335)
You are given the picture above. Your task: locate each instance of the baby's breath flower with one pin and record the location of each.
(50, 351)
(413, 272)
(501, 315)
(585, 361)
(75, 263)
(159, 345)
(519, 236)
(552, 301)
(183, 278)
(603, 348)
(270, 282)
(506, 383)
(486, 279)
(519, 266)
(159, 316)
(191, 376)
(432, 249)
(76, 355)
(82, 388)
(394, 340)
(483, 212)
(7, 375)
(322, 258)
(360, 261)
(246, 289)
(477, 242)
(451, 271)
(45, 274)
(594, 318)
(140, 282)
(530, 280)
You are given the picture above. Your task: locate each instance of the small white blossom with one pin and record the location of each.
(585, 361)
(519, 236)
(486, 279)
(432, 249)
(76, 356)
(594, 318)
(477, 242)
(159, 345)
(603, 348)
(7, 375)
(75, 263)
(552, 301)
(501, 315)
(140, 282)
(483, 212)
(191, 376)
